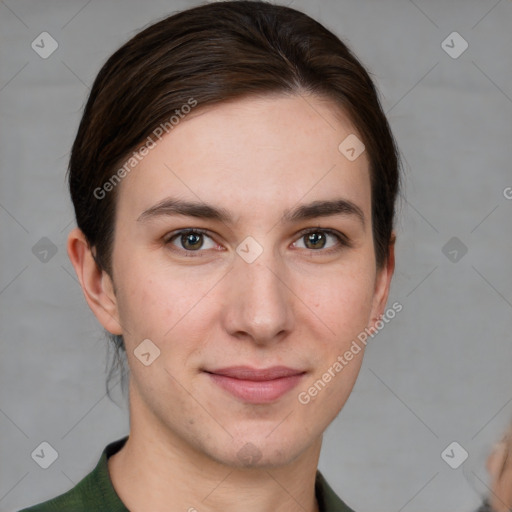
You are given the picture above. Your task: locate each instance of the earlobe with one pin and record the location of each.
(96, 284)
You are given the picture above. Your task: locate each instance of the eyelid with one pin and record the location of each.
(175, 234)
(343, 240)
(337, 234)
(169, 236)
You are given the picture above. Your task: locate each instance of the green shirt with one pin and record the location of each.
(95, 492)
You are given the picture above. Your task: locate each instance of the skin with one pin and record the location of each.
(296, 305)
(500, 470)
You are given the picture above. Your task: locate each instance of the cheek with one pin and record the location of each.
(157, 300)
(143, 304)
(342, 299)
(162, 305)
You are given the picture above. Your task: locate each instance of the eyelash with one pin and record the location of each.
(343, 241)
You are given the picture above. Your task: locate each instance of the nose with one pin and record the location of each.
(259, 303)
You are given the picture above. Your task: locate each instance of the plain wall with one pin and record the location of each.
(438, 373)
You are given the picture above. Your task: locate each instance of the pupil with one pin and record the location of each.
(314, 238)
(192, 241)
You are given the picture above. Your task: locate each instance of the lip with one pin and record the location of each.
(256, 386)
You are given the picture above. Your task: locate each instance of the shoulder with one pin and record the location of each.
(77, 499)
(84, 497)
(93, 493)
(68, 501)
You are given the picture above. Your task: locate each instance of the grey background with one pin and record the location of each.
(439, 372)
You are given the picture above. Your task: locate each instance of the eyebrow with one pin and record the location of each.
(325, 208)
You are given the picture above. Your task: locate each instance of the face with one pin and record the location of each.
(250, 283)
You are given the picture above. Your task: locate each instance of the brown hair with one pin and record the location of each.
(211, 54)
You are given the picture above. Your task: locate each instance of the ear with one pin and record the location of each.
(96, 283)
(383, 283)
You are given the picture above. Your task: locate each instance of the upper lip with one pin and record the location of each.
(255, 374)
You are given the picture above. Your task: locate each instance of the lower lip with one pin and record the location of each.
(257, 392)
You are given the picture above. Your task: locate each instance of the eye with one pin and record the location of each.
(191, 240)
(196, 240)
(327, 240)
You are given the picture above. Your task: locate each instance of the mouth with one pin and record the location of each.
(256, 386)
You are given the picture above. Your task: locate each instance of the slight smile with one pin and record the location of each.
(256, 386)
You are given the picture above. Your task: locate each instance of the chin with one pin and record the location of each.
(258, 451)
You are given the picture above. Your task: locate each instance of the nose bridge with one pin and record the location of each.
(260, 303)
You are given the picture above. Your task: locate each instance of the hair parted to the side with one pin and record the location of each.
(215, 53)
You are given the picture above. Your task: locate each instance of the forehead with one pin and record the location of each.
(254, 156)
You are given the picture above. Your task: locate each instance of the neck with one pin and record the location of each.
(157, 470)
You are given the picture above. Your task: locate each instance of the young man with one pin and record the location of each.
(234, 180)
